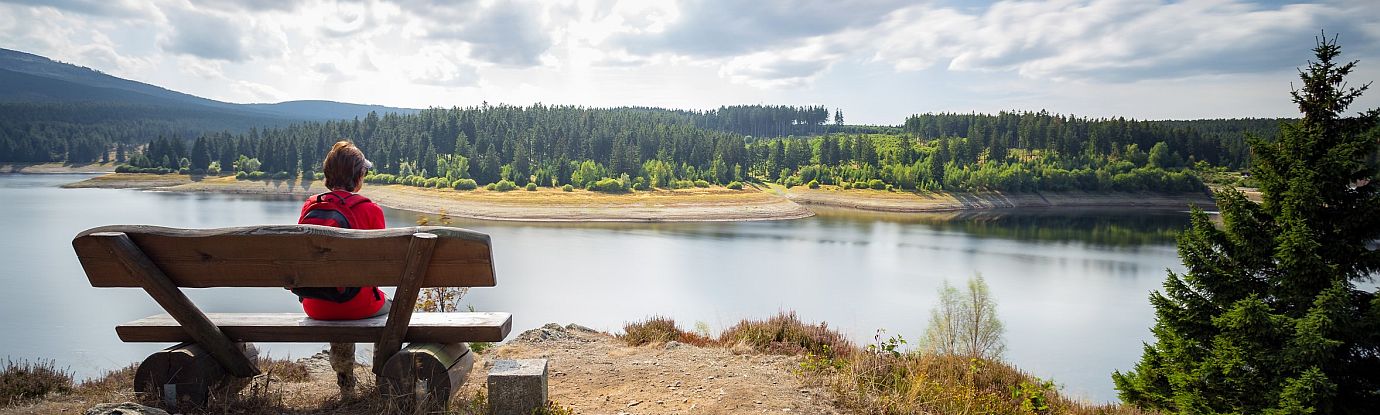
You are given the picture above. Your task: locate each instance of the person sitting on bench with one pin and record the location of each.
(342, 207)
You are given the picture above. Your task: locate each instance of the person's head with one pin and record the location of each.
(345, 167)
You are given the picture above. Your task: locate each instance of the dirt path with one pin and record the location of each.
(595, 373)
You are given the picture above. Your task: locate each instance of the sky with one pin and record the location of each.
(878, 61)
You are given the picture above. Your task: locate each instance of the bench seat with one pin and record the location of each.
(296, 327)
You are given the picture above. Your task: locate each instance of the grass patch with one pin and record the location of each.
(284, 370)
(659, 329)
(786, 334)
(884, 379)
(25, 380)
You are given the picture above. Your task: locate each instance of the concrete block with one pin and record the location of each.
(517, 387)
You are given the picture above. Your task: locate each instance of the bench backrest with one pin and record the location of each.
(289, 256)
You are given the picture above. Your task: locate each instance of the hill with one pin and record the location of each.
(55, 111)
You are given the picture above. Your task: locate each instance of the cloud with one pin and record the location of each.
(219, 36)
(729, 28)
(204, 35)
(771, 71)
(505, 33)
(1106, 40)
(109, 8)
(438, 66)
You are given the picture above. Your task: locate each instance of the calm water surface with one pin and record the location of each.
(1071, 285)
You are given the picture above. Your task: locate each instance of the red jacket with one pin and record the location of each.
(370, 299)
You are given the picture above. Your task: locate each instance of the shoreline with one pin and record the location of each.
(543, 205)
(55, 168)
(683, 205)
(941, 202)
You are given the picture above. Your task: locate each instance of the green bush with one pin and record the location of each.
(876, 184)
(607, 185)
(640, 184)
(531, 187)
(505, 185)
(735, 185)
(567, 188)
(846, 185)
(464, 184)
(701, 183)
(814, 184)
(318, 176)
(861, 185)
(491, 186)
(238, 176)
(682, 184)
(257, 175)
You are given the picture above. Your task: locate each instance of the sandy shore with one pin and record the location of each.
(545, 204)
(714, 204)
(909, 202)
(55, 168)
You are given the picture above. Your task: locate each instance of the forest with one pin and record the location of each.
(641, 148)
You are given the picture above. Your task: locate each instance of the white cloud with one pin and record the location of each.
(438, 66)
(701, 53)
(217, 35)
(1111, 40)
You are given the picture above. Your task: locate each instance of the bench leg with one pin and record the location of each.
(185, 376)
(425, 374)
(343, 362)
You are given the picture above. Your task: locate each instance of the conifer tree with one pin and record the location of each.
(1277, 312)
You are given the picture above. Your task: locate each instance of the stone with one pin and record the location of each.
(517, 387)
(126, 408)
(577, 327)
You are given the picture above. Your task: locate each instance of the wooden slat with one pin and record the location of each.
(193, 322)
(296, 327)
(290, 256)
(409, 283)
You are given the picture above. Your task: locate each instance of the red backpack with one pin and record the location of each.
(331, 209)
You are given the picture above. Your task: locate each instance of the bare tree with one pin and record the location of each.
(942, 336)
(965, 324)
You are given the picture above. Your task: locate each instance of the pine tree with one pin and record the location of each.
(1268, 317)
(201, 154)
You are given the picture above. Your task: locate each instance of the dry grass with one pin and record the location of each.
(908, 383)
(23, 380)
(881, 379)
(285, 370)
(786, 334)
(657, 329)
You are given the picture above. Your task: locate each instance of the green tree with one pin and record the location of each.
(1160, 157)
(1268, 317)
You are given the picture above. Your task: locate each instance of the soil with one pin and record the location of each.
(595, 373)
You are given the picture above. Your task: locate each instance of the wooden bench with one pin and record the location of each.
(215, 350)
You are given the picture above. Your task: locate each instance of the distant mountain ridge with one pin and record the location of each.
(30, 78)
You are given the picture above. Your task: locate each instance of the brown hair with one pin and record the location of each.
(344, 166)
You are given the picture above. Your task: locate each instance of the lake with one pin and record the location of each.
(1071, 285)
